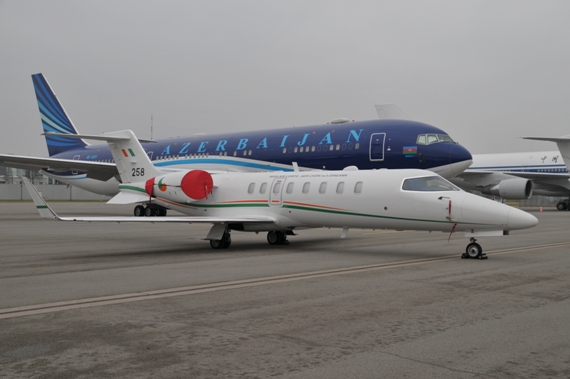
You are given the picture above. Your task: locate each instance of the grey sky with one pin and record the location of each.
(486, 72)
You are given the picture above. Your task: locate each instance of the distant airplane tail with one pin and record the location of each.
(54, 118)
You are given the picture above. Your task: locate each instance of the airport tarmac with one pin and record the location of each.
(106, 300)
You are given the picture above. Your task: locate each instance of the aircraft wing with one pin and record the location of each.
(527, 175)
(46, 212)
(95, 170)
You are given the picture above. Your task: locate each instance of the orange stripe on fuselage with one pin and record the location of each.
(312, 205)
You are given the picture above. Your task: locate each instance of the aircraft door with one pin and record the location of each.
(275, 198)
(75, 158)
(377, 146)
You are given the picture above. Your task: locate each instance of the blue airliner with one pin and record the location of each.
(375, 144)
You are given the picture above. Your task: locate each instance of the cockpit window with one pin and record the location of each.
(428, 139)
(428, 184)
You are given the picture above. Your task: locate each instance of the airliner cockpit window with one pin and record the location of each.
(428, 184)
(428, 139)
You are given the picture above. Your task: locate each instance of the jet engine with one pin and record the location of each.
(516, 189)
(181, 186)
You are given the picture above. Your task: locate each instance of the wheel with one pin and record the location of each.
(561, 206)
(139, 211)
(216, 244)
(474, 250)
(226, 240)
(273, 238)
(149, 212)
(161, 212)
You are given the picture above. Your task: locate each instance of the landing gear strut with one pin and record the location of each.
(277, 238)
(474, 251)
(224, 243)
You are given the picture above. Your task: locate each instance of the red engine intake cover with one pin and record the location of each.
(197, 184)
(148, 186)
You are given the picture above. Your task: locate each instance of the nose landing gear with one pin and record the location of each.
(474, 251)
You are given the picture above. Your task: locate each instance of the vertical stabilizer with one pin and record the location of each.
(132, 162)
(54, 118)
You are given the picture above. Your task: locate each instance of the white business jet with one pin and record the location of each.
(283, 202)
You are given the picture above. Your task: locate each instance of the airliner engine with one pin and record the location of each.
(516, 189)
(182, 186)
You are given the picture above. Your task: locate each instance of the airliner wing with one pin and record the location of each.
(47, 212)
(527, 175)
(96, 170)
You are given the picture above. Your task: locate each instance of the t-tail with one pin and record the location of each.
(54, 118)
(130, 158)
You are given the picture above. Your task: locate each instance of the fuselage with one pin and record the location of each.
(376, 144)
(373, 199)
(546, 169)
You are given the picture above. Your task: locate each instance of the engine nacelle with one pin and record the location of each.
(181, 186)
(516, 189)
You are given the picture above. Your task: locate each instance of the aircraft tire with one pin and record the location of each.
(162, 212)
(139, 211)
(216, 244)
(474, 250)
(226, 241)
(273, 238)
(149, 212)
(561, 206)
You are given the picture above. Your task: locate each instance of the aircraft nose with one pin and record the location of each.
(459, 158)
(518, 219)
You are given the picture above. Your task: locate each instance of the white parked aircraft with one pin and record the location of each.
(283, 202)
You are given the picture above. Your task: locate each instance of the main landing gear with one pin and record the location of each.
(277, 238)
(224, 243)
(149, 211)
(474, 251)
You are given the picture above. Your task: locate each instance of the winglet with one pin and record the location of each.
(41, 205)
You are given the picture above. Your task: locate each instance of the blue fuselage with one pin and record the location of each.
(375, 144)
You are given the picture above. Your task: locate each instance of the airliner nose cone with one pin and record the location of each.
(518, 219)
(459, 160)
(459, 154)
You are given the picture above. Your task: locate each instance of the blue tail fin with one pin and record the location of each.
(54, 118)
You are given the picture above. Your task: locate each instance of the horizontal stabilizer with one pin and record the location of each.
(96, 137)
(96, 170)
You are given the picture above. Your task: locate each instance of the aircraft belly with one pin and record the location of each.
(108, 188)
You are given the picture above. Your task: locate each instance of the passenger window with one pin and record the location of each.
(306, 187)
(290, 187)
(263, 188)
(323, 187)
(251, 188)
(358, 187)
(340, 187)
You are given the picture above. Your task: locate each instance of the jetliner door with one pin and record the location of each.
(275, 199)
(377, 146)
(75, 158)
